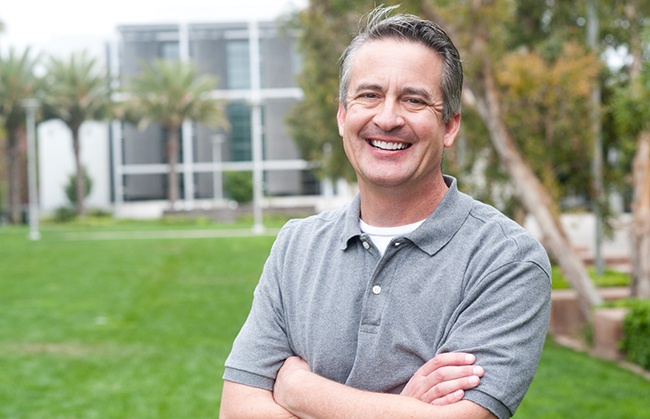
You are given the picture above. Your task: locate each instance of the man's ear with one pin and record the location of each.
(340, 118)
(452, 127)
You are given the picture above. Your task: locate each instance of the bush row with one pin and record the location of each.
(636, 328)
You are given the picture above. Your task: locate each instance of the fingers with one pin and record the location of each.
(443, 379)
(450, 398)
(447, 359)
(450, 391)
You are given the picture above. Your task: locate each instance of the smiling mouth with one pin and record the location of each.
(385, 145)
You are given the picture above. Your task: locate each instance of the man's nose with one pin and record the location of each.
(389, 115)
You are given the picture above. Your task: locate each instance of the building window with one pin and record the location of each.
(239, 115)
(238, 64)
(169, 50)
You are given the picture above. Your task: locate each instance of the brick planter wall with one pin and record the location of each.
(608, 332)
(568, 321)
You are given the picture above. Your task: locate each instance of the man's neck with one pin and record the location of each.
(392, 207)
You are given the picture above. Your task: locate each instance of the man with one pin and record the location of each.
(380, 309)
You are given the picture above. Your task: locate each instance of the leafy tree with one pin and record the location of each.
(325, 27)
(17, 82)
(170, 92)
(76, 91)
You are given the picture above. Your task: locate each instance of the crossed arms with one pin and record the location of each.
(435, 390)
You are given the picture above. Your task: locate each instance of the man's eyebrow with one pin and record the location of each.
(423, 93)
(368, 86)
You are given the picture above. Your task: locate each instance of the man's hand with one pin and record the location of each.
(444, 379)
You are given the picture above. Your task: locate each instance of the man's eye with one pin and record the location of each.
(368, 96)
(415, 101)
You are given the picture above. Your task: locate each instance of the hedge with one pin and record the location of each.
(636, 328)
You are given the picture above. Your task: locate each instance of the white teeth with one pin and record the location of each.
(388, 146)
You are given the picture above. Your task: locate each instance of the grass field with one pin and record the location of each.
(127, 328)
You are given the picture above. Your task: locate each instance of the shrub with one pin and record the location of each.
(636, 329)
(71, 187)
(64, 214)
(239, 186)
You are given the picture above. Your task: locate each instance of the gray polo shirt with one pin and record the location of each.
(468, 279)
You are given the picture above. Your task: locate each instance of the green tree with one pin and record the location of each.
(76, 90)
(170, 92)
(17, 83)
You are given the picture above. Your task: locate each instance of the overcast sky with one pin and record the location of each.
(61, 26)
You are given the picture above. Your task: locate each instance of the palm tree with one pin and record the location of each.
(170, 92)
(76, 91)
(17, 82)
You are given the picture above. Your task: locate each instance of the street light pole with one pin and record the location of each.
(256, 121)
(217, 174)
(30, 106)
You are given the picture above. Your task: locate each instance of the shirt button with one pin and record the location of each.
(376, 289)
(366, 245)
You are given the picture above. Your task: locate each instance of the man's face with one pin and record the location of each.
(392, 129)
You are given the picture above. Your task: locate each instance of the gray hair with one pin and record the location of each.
(407, 27)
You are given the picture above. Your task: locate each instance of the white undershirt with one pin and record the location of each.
(381, 236)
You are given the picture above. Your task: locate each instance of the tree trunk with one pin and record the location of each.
(173, 141)
(15, 174)
(641, 217)
(80, 178)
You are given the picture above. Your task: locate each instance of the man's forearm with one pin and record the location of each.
(307, 395)
(244, 402)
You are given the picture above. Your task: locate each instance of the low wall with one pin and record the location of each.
(568, 320)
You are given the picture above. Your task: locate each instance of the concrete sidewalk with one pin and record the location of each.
(166, 234)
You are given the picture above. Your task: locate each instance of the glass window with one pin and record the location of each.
(169, 50)
(238, 62)
(239, 115)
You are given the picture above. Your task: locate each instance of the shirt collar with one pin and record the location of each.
(436, 231)
(445, 221)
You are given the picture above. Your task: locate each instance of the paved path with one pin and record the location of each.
(166, 234)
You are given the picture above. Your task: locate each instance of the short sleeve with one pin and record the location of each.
(503, 321)
(262, 344)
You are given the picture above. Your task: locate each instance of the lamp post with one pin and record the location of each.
(217, 174)
(256, 122)
(30, 106)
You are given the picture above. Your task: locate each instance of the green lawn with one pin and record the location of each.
(141, 328)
